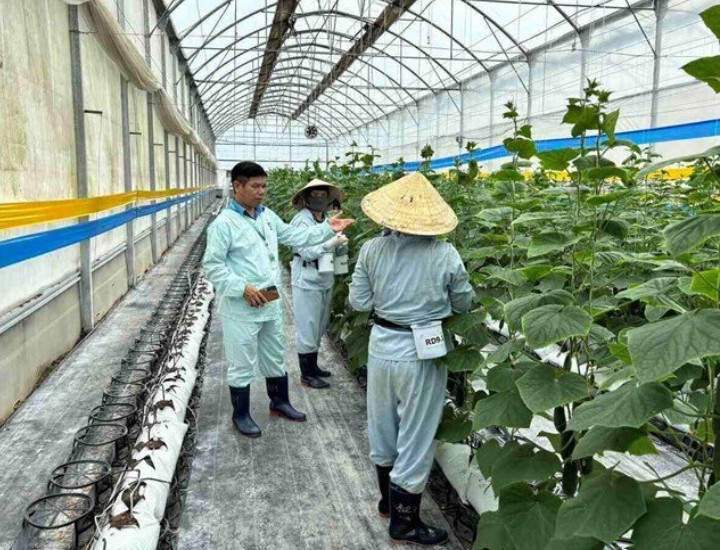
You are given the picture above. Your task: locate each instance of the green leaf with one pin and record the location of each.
(462, 359)
(707, 283)
(507, 275)
(524, 147)
(710, 503)
(609, 123)
(597, 200)
(629, 405)
(455, 426)
(589, 162)
(549, 241)
(487, 455)
(688, 234)
(507, 175)
(528, 517)
(558, 159)
(605, 508)
(605, 172)
(662, 528)
(470, 326)
(615, 228)
(658, 349)
(515, 309)
(535, 272)
(552, 323)
(525, 131)
(621, 352)
(495, 214)
(575, 543)
(529, 217)
(502, 378)
(705, 69)
(502, 409)
(653, 287)
(544, 387)
(599, 439)
(623, 143)
(711, 17)
(518, 463)
(491, 533)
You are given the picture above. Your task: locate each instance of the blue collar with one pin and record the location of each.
(240, 209)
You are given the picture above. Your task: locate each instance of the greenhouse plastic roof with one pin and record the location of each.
(339, 64)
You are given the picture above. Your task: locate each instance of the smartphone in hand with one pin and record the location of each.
(270, 293)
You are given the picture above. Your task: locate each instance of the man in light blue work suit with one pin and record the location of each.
(311, 289)
(410, 279)
(241, 261)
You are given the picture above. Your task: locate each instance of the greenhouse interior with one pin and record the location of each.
(349, 274)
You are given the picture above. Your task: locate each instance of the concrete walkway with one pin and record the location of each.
(301, 485)
(39, 436)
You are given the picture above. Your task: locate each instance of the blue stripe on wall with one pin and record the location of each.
(23, 248)
(692, 130)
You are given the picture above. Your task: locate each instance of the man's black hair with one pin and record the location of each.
(245, 170)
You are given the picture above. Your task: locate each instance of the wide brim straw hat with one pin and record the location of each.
(410, 205)
(335, 194)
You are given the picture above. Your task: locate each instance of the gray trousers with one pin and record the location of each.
(312, 314)
(405, 401)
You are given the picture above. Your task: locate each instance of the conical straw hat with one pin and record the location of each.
(334, 193)
(410, 205)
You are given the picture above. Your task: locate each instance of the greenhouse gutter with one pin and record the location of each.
(679, 132)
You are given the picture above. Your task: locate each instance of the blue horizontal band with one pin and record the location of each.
(692, 130)
(23, 248)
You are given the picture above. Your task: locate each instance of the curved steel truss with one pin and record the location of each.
(340, 64)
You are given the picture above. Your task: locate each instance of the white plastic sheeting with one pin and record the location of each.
(142, 491)
(132, 64)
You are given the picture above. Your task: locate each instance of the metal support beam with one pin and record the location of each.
(87, 310)
(279, 30)
(532, 62)
(150, 136)
(127, 164)
(177, 186)
(584, 45)
(661, 7)
(461, 141)
(186, 181)
(166, 148)
(375, 30)
(491, 126)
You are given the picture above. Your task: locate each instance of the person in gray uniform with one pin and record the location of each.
(311, 288)
(412, 281)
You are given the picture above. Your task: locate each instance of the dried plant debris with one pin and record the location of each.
(125, 519)
(133, 494)
(163, 403)
(152, 444)
(133, 462)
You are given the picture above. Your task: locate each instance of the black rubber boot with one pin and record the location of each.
(277, 389)
(308, 375)
(240, 398)
(383, 477)
(318, 371)
(405, 523)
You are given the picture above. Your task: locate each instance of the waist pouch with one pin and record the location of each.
(429, 337)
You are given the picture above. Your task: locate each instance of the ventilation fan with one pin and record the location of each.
(311, 132)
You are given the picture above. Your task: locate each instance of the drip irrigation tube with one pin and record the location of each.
(161, 366)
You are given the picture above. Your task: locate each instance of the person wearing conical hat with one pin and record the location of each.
(412, 281)
(312, 289)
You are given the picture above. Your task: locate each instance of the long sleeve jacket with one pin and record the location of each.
(243, 250)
